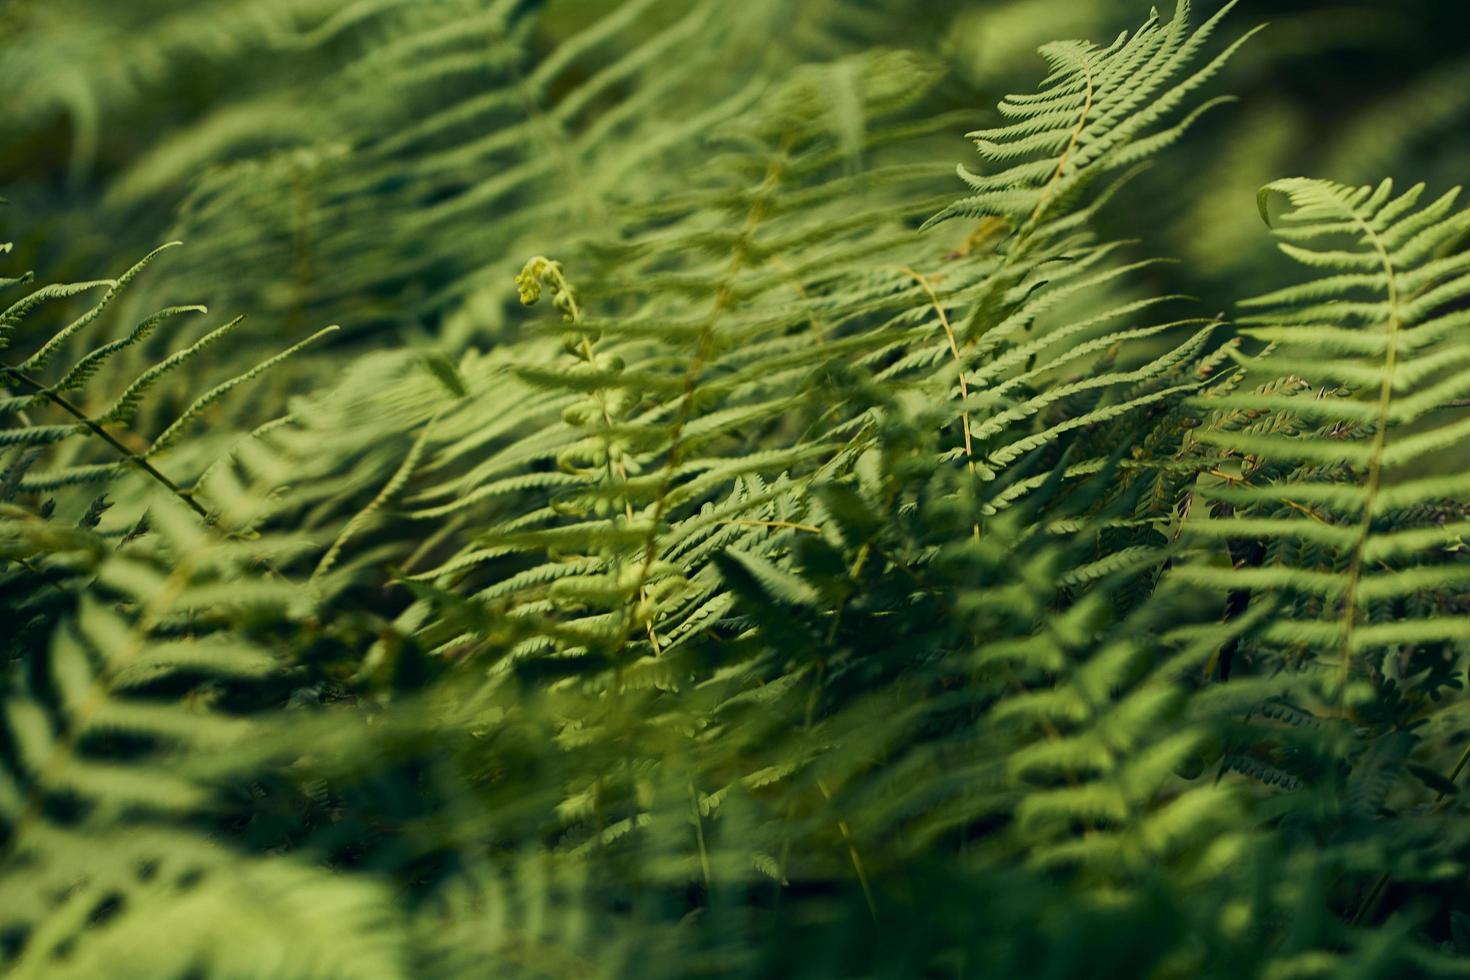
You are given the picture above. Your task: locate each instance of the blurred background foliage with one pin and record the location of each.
(388, 165)
(266, 132)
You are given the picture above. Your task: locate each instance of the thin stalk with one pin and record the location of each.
(95, 427)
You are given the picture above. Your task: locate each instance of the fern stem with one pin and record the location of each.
(1056, 175)
(753, 218)
(699, 836)
(1375, 461)
(39, 573)
(790, 525)
(959, 361)
(615, 468)
(801, 292)
(96, 428)
(854, 856)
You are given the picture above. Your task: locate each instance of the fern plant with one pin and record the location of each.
(850, 573)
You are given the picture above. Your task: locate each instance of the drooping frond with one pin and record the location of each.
(1347, 487)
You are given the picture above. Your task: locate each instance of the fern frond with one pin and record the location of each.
(1386, 279)
(1096, 111)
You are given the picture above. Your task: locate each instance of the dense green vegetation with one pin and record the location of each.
(595, 494)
